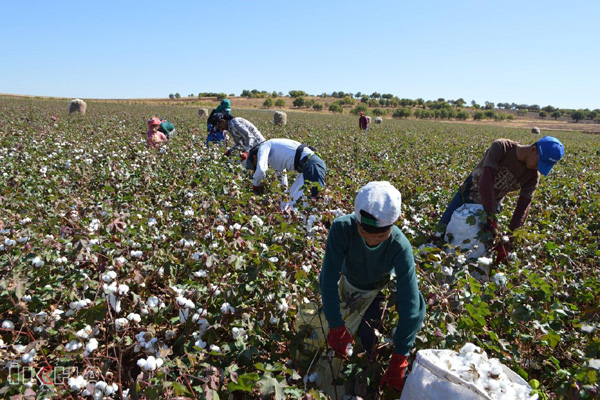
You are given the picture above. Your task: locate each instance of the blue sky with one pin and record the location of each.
(531, 52)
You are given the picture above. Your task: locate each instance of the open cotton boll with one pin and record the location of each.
(90, 347)
(121, 323)
(150, 364)
(85, 332)
(200, 343)
(152, 301)
(214, 348)
(226, 308)
(77, 383)
(73, 345)
(28, 357)
(282, 305)
(6, 324)
(485, 261)
(37, 262)
(136, 253)
(134, 317)
(109, 276)
(500, 279)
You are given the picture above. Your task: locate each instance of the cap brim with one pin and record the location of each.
(544, 167)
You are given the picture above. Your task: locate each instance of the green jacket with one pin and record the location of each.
(367, 268)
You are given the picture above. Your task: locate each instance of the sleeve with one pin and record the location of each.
(529, 188)
(410, 304)
(520, 213)
(263, 163)
(486, 190)
(330, 275)
(494, 154)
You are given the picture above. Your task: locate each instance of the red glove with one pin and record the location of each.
(492, 226)
(339, 339)
(243, 156)
(227, 153)
(394, 376)
(501, 250)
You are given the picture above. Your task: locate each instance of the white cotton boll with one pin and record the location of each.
(61, 260)
(120, 261)
(236, 227)
(264, 247)
(37, 262)
(23, 239)
(56, 314)
(25, 220)
(152, 301)
(485, 261)
(151, 221)
(238, 332)
(273, 259)
(136, 253)
(8, 242)
(27, 358)
(306, 268)
(448, 271)
(500, 279)
(85, 332)
(214, 289)
(19, 348)
(94, 225)
(200, 274)
(26, 298)
(121, 323)
(274, 320)
(188, 213)
(200, 343)
(123, 290)
(94, 242)
(197, 255)
(134, 317)
(220, 229)
(282, 305)
(181, 300)
(77, 383)
(73, 345)
(226, 308)
(8, 324)
(110, 389)
(255, 220)
(100, 385)
(109, 276)
(214, 348)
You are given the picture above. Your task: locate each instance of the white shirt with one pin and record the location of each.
(244, 133)
(279, 154)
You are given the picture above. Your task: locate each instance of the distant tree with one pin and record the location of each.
(375, 95)
(378, 112)
(522, 111)
(489, 105)
(578, 115)
(462, 115)
(387, 96)
(510, 117)
(317, 107)
(309, 103)
(533, 108)
(280, 103)
(221, 96)
(478, 116)
(364, 99)
(473, 102)
(475, 106)
(373, 103)
(268, 103)
(459, 102)
(297, 93)
(335, 95)
(542, 114)
(402, 113)
(336, 108)
(171, 96)
(346, 101)
(298, 101)
(177, 96)
(593, 115)
(358, 95)
(231, 94)
(274, 95)
(556, 115)
(549, 109)
(499, 116)
(443, 113)
(360, 107)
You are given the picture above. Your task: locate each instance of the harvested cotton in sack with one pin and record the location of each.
(463, 228)
(467, 375)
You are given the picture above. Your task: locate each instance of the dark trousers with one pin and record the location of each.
(370, 322)
(314, 171)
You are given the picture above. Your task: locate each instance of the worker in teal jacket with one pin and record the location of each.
(363, 249)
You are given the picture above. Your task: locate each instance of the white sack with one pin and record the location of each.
(463, 233)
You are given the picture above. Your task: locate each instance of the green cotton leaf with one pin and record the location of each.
(552, 338)
(269, 386)
(471, 220)
(180, 389)
(245, 383)
(551, 246)
(277, 367)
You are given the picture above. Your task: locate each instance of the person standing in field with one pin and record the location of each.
(363, 122)
(245, 135)
(362, 251)
(154, 136)
(506, 166)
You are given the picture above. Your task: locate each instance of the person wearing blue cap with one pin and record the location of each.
(506, 166)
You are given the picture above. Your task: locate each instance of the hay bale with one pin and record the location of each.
(203, 112)
(535, 130)
(368, 120)
(77, 106)
(280, 118)
(378, 120)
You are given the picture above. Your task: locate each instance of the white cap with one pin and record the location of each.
(381, 200)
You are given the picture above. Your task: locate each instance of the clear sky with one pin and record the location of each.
(527, 52)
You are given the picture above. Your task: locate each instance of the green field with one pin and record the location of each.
(87, 196)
